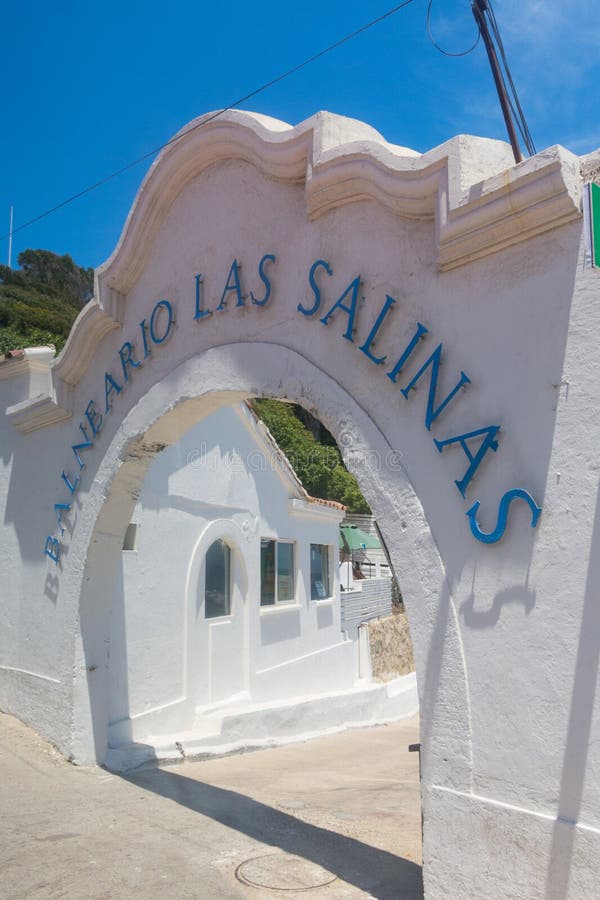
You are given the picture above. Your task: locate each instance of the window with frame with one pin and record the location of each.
(217, 585)
(277, 575)
(320, 581)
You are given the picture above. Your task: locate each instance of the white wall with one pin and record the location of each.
(221, 480)
(35, 643)
(486, 255)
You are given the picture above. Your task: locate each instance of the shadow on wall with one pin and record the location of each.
(522, 283)
(579, 727)
(105, 643)
(118, 709)
(520, 595)
(383, 875)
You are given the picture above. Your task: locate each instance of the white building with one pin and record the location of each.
(230, 588)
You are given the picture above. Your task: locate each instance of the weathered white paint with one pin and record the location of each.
(488, 256)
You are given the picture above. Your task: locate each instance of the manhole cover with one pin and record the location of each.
(283, 872)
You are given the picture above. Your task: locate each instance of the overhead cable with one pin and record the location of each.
(518, 112)
(510, 105)
(216, 115)
(437, 46)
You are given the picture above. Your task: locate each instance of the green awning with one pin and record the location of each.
(354, 538)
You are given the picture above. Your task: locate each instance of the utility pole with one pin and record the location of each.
(10, 231)
(479, 7)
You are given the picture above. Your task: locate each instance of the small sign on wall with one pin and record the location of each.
(591, 216)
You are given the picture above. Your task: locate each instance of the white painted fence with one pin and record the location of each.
(370, 599)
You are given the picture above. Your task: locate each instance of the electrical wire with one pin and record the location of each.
(513, 102)
(437, 46)
(232, 105)
(516, 107)
(518, 113)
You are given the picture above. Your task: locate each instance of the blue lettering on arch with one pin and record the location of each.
(53, 548)
(59, 510)
(200, 312)
(126, 357)
(110, 386)
(162, 304)
(417, 337)
(488, 443)
(352, 289)
(267, 258)
(72, 485)
(366, 346)
(93, 417)
(492, 537)
(234, 285)
(318, 264)
(432, 411)
(84, 445)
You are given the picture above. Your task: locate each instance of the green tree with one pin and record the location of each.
(40, 300)
(316, 460)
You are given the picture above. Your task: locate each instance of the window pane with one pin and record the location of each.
(267, 573)
(319, 572)
(217, 594)
(130, 539)
(285, 572)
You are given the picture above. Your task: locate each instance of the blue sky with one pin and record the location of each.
(88, 88)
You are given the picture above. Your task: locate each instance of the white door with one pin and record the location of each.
(220, 626)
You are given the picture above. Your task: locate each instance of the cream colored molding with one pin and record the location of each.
(474, 218)
(538, 195)
(96, 319)
(31, 359)
(483, 202)
(38, 412)
(480, 201)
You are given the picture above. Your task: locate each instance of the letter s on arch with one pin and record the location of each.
(493, 536)
(318, 264)
(268, 257)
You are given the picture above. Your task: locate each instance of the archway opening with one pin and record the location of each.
(159, 417)
(246, 609)
(234, 619)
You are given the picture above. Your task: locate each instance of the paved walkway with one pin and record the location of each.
(336, 817)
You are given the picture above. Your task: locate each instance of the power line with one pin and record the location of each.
(509, 99)
(234, 103)
(483, 12)
(518, 113)
(437, 46)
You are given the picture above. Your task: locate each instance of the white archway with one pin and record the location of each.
(191, 391)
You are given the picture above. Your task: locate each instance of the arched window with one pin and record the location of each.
(217, 593)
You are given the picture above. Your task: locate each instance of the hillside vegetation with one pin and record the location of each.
(40, 301)
(312, 452)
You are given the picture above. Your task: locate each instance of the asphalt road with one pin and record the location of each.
(337, 817)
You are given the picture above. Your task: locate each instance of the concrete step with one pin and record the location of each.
(243, 725)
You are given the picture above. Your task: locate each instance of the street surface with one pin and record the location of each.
(337, 817)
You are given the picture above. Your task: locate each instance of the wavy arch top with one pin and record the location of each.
(481, 203)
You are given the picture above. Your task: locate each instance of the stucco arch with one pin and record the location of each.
(192, 390)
